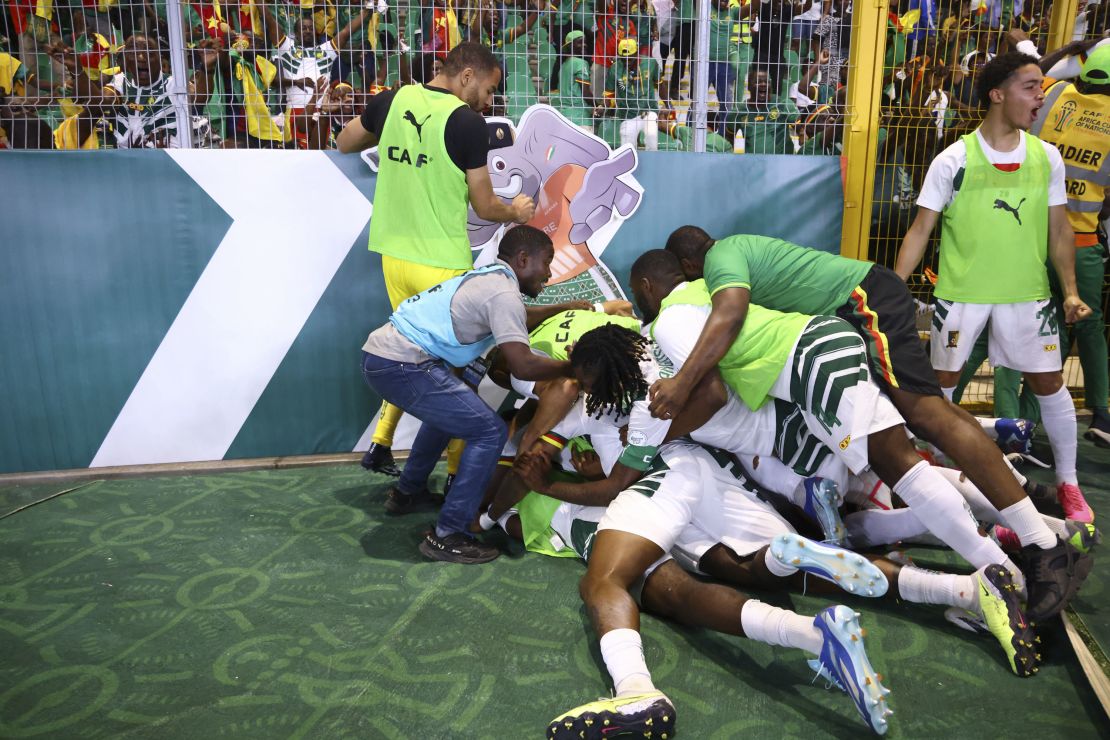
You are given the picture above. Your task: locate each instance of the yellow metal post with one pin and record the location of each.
(865, 81)
(1061, 23)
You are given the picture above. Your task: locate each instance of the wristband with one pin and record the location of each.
(600, 308)
(485, 522)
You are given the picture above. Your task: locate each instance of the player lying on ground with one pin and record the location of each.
(758, 270)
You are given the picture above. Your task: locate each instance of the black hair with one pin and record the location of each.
(687, 242)
(997, 71)
(657, 264)
(522, 239)
(610, 356)
(469, 54)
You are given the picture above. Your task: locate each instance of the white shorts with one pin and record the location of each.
(1023, 336)
(838, 399)
(660, 505)
(576, 526)
(742, 523)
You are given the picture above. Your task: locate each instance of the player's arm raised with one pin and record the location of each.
(490, 207)
(914, 242)
(730, 308)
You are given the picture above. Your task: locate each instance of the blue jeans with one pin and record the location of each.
(449, 410)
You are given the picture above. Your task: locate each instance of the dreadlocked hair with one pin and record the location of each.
(610, 356)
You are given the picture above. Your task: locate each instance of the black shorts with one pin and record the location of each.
(883, 312)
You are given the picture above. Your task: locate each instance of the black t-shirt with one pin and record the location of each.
(465, 134)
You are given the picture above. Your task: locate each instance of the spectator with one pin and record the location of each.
(676, 137)
(805, 23)
(571, 15)
(510, 38)
(770, 38)
(834, 32)
(137, 101)
(630, 98)
(574, 96)
(925, 27)
(766, 120)
(723, 16)
(682, 43)
(820, 132)
(303, 60)
(807, 92)
(247, 75)
(741, 53)
(614, 24)
(20, 127)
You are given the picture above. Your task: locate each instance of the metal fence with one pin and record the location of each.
(728, 76)
(927, 102)
(761, 76)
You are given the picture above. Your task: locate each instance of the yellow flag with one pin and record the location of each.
(909, 20)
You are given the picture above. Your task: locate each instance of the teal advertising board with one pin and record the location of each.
(205, 305)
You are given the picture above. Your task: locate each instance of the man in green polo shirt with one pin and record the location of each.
(787, 277)
(630, 93)
(574, 96)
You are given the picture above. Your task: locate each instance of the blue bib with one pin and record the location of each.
(425, 320)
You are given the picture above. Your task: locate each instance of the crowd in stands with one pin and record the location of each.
(290, 73)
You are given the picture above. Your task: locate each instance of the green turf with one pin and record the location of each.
(286, 604)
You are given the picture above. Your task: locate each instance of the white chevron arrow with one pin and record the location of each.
(246, 309)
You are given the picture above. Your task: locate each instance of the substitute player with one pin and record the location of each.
(424, 186)
(1000, 196)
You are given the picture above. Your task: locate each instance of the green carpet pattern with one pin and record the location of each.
(285, 603)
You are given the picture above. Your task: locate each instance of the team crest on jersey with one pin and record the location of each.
(1064, 115)
(1050, 347)
(845, 442)
(953, 339)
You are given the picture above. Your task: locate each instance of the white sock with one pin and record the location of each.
(921, 586)
(980, 506)
(1028, 524)
(777, 568)
(987, 424)
(941, 508)
(1021, 479)
(948, 392)
(764, 623)
(1058, 419)
(623, 653)
(1056, 525)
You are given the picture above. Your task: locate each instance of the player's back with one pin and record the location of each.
(782, 275)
